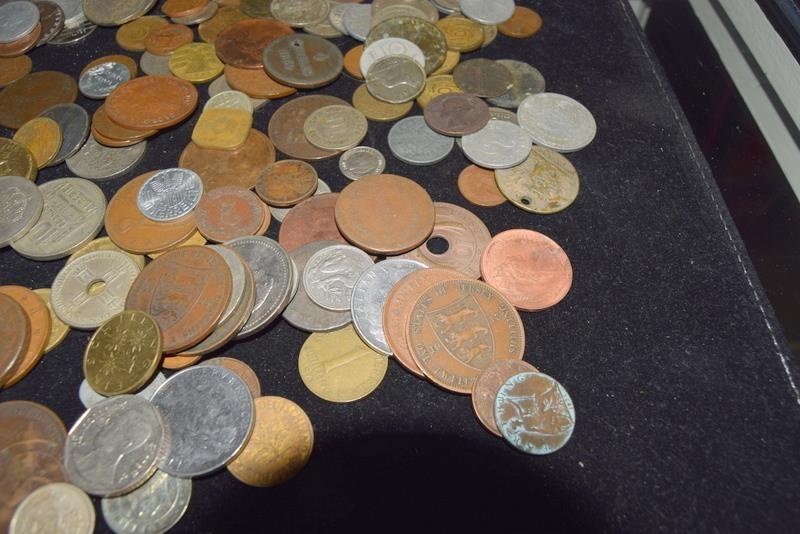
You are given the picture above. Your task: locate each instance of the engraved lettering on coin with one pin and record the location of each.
(21, 205)
(391, 46)
(395, 79)
(335, 127)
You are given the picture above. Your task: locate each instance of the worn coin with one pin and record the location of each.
(42, 137)
(391, 46)
(478, 186)
(18, 20)
(287, 182)
(230, 100)
(229, 212)
(16, 334)
(115, 13)
(14, 68)
(242, 44)
(58, 330)
(16, 160)
(151, 102)
(286, 127)
(361, 161)
(280, 213)
(222, 128)
(378, 110)
(221, 85)
(39, 320)
(95, 161)
(527, 80)
(155, 506)
(483, 77)
(437, 85)
(73, 121)
(498, 145)
(546, 182)
(395, 79)
(309, 221)
(51, 17)
(24, 421)
(300, 13)
(451, 59)
(422, 33)
(456, 114)
(303, 61)
(484, 392)
(196, 63)
(21, 205)
(167, 39)
(487, 11)
(169, 194)
(335, 127)
(154, 65)
(357, 21)
(525, 22)
(412, 141)
(331, 273)
(556, 121)
(133, 35)
(90, 397)
(56, 507)
(461, 33)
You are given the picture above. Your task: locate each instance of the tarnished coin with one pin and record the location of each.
(39, 320)
(99, 162)
(242, 44)
(437, 85)
(51, 17)
(154, 65)
(244, 371)
(479, 186)
(280, 213)
(196, 239)
(196, 63)
(546, 182)
(114, 13)
(155, 506)
(309, 221)
(151, 102)
(230, 100)
(457, 114)
(300, 13)
(378, 110)
(525, 22)
(421, 32)
(357, 21)
(335, 127)
(556, 121)
(90, 397)
(57, 507)
(113, 135)
(42, 137)
(222, 129)
(483, 77)
(534, 413)
(15, 329)
(72, 215)
(484, 392)
(21, 205)
(229, 212)
(487, 11)
(169, 194)
(14, 68)
(208, 410)
(412, 141)
(461, 33)
(391, 46)
(331, 273)
(526, 81)
(220, 85)
(18, 20)
(132, 35)
(338, 367)
(498, 145)
(286, 183)
(100, 80)
(303, 61)
(257, 9)
(73, 122)
(395, 79)
(286, 127)
(361, 161)
(165, 40)
(16, 160)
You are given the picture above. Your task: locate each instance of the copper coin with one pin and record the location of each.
(167, 39)
(15, 335)
(255, 83)
(51, 16)
(111, 130)
(244, 371)
(242, 44)
(529, 268)
(132, 231)
(211, 28)
(458, 327)
(484, 392)
(479, 186)
(179, 362)
(114, 143)
(25, 421)
(302, 60)
(267, 219)
(352, 62)
(183, 8)
(20, 46)
(39, 320)
(287, 182)
(14, 68)
(186, 291)
(385, 214)
(525, 22)
(229, 212)
(311, 220)
(30, 95)
(116, 58)
(151, 102)
(483, 77)
(220, 168)
(457, 114)
(398, 306)
(286, 127)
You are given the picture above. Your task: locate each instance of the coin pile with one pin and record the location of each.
(186, 269)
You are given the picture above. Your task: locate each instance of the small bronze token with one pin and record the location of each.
(30, 95)
(242, 44)
(479, 187)
(457, 114)
(286, 127)
(15, 335)
(226, 16)
(378, 110)
(39, 320)
(20, 46)
(352, 62)
(483, 77)
(183, 8)
(255, 83)
(287, 182)
(116, 58)
(484, 392)
(226, 213)
(151, 102)
(133, 35)
(524, 23)
(14, 68)
(167, 39)
(303, 61)
(42, 137)
(58, 330)
(311, 220)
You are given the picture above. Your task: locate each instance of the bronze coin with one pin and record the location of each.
(25, 420)
(117, 58)
(484, 392)
(114, 143)
(167, 39)
(15, 336)
(30, 95)
(303, 61)
(183, 8)
(285, 183)
(108, 129)
(255, 83)
(14, 68)
(220, 168)
(479, 186)
(385, 214)
(51, 17)
(242, 44)
(22, 45)
(352, 62)
(311, 220)
(483, 77)
(179, 362)
(39, 320)
(525, 22)
(151, 102)
(457, 114)
(186, 291)
(244, 371)
(286, 127)
(229, 212)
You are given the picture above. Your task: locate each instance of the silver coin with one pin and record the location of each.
(154, 65)
(115, 12)
(51, 16)
(205, 14)
(72, 215)
(369, 296)
(230, 100)
(74, 123)
(98, 81)
(498, 145)
(326, 28)
(238, 275)
(295, 281)
(99, 162)
(17, 19)
(395, 79)
(499, 114)
(412, 141)
(209, 413)
(21, 205)
(487, 11)
(169, 194)
(272, 271)
(557, 122)
(154, 507)
(73, 12)
(115, 446)
(220, 85)
(448, 7)
(361, 161)
(386, 9)
(302, 312)
(280, 213)
(527, 81)
(300, 13)
(390, 46)
(90, 397)
(57, 507)
(71, 35)
(331, 273)
(336, 16)
(357, 21)
(92, 288)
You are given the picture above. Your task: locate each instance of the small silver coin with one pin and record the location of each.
(487, 11)
(527, 81)
(336, 16)
(56, 507)
(390, 46)
(499, 114)
(169, 194)
(154, 65)
(74, 123)
(557, 122)
(361, 161)
(220, 85)
(209, 413)
(99, 162)
(17, 19)
(230, 100)
(205, 14)
(71, 35)
(115, 446)
(90, 397)
(498, 145)
(155, 506)
(358, 21)
(331, 273)
(100, 80)
(21, 205)
(280, 213)
(395, 79)
(412, 141)
(369, 296)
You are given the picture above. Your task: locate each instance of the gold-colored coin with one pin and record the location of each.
(435, 86)
(123, 354)
(378, 110)
(58, 330)
(279, 447)
(225, 16)
(339, 367)
(196, 63)
(461, 33)
(451, 61)
(131, 36)
(544, 183)
(196, 239)
(104, 243)
(222, 129)
(42, 136)
(16, 160)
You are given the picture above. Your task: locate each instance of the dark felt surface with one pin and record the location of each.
(687, 417)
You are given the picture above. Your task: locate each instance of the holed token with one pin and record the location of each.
(229, 212)
(479, 187)
(222, 129)
(167, 39)
(483, 77)
(489, 382)
(32, 94)
(546, 182)
(39, 320)
(321, 60)
(196, 63)
(378, 110)
(16, 160)
(461, 33)
(335, 127)
(242, 44)
(456, 114)
(14, 68)
(58, 329)
(133, 35)
(255, 83)
(525, 22)
(151, 102)
(287, 182)
(16, 335)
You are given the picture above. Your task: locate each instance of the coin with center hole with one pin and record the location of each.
(303, 61)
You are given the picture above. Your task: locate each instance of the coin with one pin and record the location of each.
(484, 392)
(391, 46)
(196, 63)
(422, 33)
(361, 161)
(58, 330)
(203, 15)
(325, 28)
(286, 183)
(14, 68)
(111, 134)
(209, 412)
(331, 273)
(280, 446)
(338, 367)
(423, 8)
(22, 45)
(479, 187)
(104, 243)
(133, 35)
(229, 212)
(395, 79)
(98, 81)
(456, 114)
(155, 506)
(483, 77)
(451, 59)
(166, 39)
(221, 84)
(286, 127)
(256, 84)
(105, 13)
(73, 121)
(487, 11)
(71, 35)
(38, 318)
(335, 127)
(526, 81)
(113, 58)
(489, 34)
(169, 194)
(72, 216)
(20, 208)
(222, 129)
(244, 371)
(413, 142)
(556, 121)
(90, 397)
(303, 61)
(154, 65)
(25, 421)
(19, 19)
(309, 221)
(182, 8)
(357, 20)
(544, 183)
(180, 362)
(352, 62)
(95, 161)
(56, 507)
(230, 100)
(300, 13)
(461, 34)
(196, 239)
(447, 6)
(242, 44)
(16, 334)
(525, 22)
(151, 102)
(224, 17)
(257, 9)
(51, 17)
(436, 86)
(378, 110)
(336, 15)
(16, 160)
(498, 145)
(280, 213)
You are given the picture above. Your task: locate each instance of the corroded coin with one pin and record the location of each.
(461, 33)
(242, 44)
(456, 114)
(546, 182)
(39, 320)
(498, 145)
(483, 77)
(151, 102)
(525, 22)
(244, 371)
(56, 507)
(556, 121)
(14, 68)
(412, 141)
(73, 122)
(335, 127)
(286, 127)
(196, 63)
(169, 194)
(16, 160)
(437, 85)
(21, 205)
(133, 35)
(378, 110)
(165, 40)
(361, 161)
(395, 79)
(286, 183)
(256, 83)
(58, 330)
(303, 61)
(489, 382)
(331, 273)
(15, 335)
(422, 33)
(527, 80)
(229, 212)
(155, 506)
(222, 128)
(95, 161)
(487, 11)
(479, 187)
(311, 220)
(300, 13)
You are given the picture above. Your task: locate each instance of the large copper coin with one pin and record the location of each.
(385, 214)
(24, 421)
(15, 335)
(478, 185)
(186, 291)
(132, 231)
(286, 127)
(14, 68)
(39, 319)
(229, 212)
(303, 61)
(311, 220)
(529, 268)
(457, 114)
(110, 130)
(458, 327)
(151, 102)
(287, 182)
(220, 168)
(167, 39)
(484, 392)
(30, 95)
(242, 44)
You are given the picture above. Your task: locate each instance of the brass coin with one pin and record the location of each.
(196, 63)
(14, 68)
(58, 330)
(132, 36)
(435, 86)
(422, 33)
(378, 110)
(16, 160)
(339, 367)
(123, 353)
(225, 16)
(42, 137)
(544, 183)
(287, 182)
(104, 243)
(39, 318)
(352, 62)
(451, 59)
(30, 95)
(461, 33)
(483, 77)
(222, 129)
